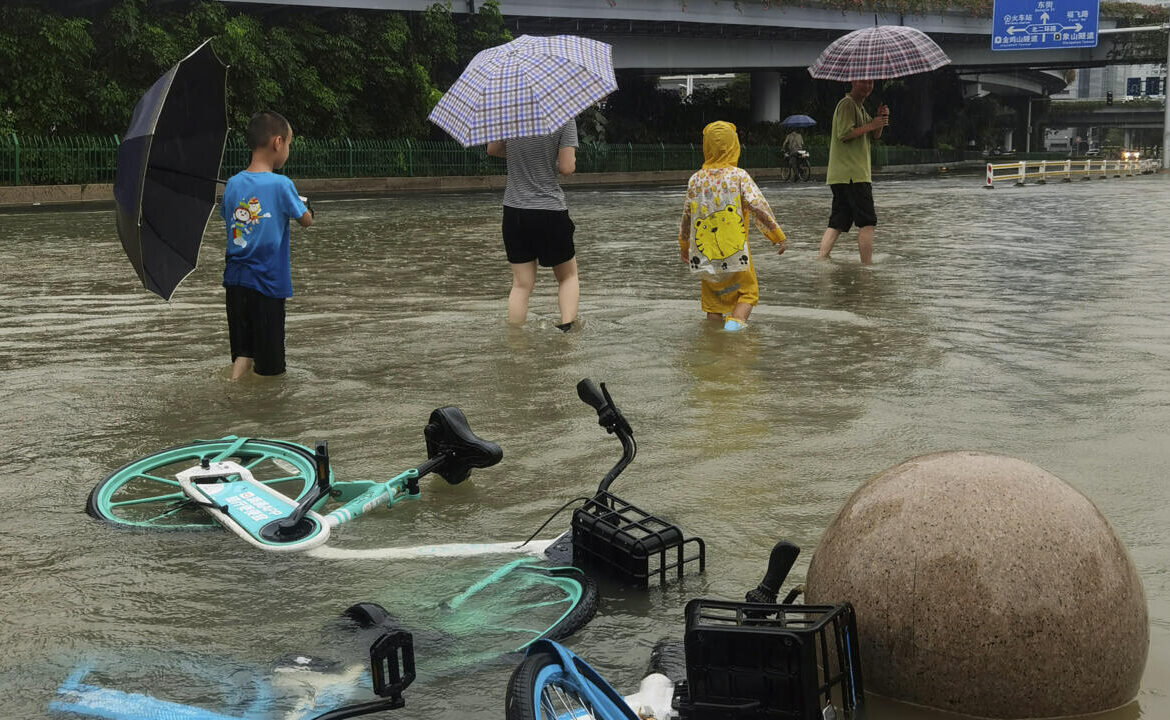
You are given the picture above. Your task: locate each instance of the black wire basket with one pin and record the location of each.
(752, 661)
(630, 543)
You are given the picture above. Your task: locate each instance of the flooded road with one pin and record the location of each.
(1031, 322)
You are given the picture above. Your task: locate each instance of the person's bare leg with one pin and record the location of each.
(741, 312)
(715, 316)
(523, 280)
(865, 244)
(827, 240)
(568, 289)
(242, 366)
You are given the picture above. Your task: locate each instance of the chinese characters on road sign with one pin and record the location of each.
(1043, 24)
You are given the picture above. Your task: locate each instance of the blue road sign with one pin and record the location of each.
(1043, 24)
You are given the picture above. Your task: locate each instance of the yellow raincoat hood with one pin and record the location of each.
(720, 145)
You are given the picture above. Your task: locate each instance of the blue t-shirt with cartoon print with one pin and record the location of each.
(257, 208)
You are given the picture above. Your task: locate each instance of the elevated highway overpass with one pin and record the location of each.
(1115, 117)
(707, 36)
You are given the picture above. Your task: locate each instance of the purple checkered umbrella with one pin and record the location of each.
(876, 53)
(530, 86)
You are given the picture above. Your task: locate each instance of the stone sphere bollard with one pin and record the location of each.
(985, 585)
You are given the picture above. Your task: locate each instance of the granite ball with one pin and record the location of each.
(985, 585)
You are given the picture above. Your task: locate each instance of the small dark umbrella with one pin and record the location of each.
(798, 121)
(168, 163)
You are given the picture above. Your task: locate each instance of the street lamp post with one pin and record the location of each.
(1166, 107)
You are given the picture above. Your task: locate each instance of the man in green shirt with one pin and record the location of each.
(848, 174)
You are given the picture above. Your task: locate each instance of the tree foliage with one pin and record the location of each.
(336, 73)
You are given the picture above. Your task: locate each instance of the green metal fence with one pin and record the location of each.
(27, 160)
(883, 155)
(32, 160)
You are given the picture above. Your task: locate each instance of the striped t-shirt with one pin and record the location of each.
(532, 169)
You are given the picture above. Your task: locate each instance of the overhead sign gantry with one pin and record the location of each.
(1044, 24)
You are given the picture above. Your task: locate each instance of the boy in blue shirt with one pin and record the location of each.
(257, 206)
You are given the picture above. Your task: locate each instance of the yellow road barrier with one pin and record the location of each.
(1041, 171)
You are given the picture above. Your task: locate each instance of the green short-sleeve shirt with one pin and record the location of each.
(848, 161)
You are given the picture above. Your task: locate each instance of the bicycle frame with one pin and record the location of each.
(270, 520)
(247, 507)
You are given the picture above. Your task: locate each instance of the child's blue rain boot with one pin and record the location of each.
(733, 325)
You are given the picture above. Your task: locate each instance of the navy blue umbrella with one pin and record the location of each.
(798, 121)
(168, 165)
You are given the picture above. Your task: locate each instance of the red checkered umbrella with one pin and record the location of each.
(876, 53)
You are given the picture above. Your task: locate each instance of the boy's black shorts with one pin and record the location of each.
(542, 235)
(852, 205)
(256, 328)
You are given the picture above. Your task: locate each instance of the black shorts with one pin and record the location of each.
(542, 235)
(256, 328)
(852, 205)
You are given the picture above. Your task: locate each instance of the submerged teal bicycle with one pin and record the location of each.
(507, 611)
(273, 493)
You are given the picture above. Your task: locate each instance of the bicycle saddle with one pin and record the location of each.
(449, 436)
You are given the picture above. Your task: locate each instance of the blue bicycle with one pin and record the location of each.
(747, 661)
(322, 690)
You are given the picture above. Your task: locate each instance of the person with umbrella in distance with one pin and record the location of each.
(858, 58)
(793, 143)
(257, 207)
(849, 170)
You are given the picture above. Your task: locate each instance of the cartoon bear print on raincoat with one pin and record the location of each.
(720, 199)
(720, 238)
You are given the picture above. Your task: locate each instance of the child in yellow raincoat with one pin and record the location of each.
(714, 232)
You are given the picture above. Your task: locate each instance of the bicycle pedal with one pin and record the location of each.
(392, 663)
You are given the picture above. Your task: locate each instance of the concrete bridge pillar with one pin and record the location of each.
(921, 116)
(1128, 138)
(765, 96)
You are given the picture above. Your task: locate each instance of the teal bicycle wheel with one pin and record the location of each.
(146, 494)
(523, 602)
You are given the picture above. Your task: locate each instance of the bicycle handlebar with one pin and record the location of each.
(591, 395)
(610, 418)
(608, 415)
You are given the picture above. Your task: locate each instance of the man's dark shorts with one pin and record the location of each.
(852, 205)
(256, 328)
(542, 235)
